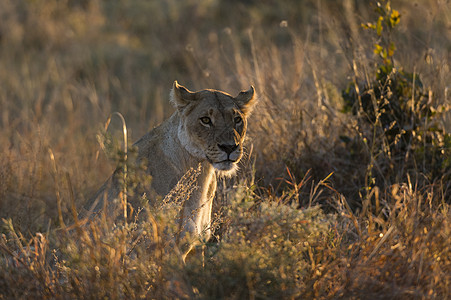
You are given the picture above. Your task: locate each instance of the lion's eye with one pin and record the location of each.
(238, 120)
(205, 120)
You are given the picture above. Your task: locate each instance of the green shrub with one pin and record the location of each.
(399, 124)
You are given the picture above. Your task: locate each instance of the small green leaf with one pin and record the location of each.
(388, 63)
(368, 26)
(377, 49)
(391, 49)
(387, 6)
(379, 26)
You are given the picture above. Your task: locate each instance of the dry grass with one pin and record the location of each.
(284, 228)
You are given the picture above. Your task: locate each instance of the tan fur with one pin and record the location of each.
(205, 126)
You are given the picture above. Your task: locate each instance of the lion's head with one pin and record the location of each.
(213, 124)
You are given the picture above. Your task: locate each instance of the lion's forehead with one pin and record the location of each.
(216, 99)
(216, 104)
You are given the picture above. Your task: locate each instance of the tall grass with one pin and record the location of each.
(284, 227)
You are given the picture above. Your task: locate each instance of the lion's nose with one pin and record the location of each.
(228, 148)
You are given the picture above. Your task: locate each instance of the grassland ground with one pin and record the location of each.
(341, 195)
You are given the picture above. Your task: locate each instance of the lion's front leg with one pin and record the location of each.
(196, 215)
(195, 225)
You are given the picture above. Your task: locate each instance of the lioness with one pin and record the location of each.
(207, 130)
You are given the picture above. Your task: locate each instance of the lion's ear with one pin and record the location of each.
(246, 100)
(180, 96)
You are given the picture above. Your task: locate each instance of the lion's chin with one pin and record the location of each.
(226, 168)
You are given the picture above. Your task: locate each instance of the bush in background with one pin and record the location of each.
(327, 204)
(400, 127)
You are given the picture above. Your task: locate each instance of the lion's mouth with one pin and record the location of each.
(226, 161)
(225, 165)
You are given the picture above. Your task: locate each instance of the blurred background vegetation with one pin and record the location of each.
(66, 65)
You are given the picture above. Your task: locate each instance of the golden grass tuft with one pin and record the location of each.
(299, 221)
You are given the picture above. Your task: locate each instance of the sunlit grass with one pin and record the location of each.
(284, 227)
